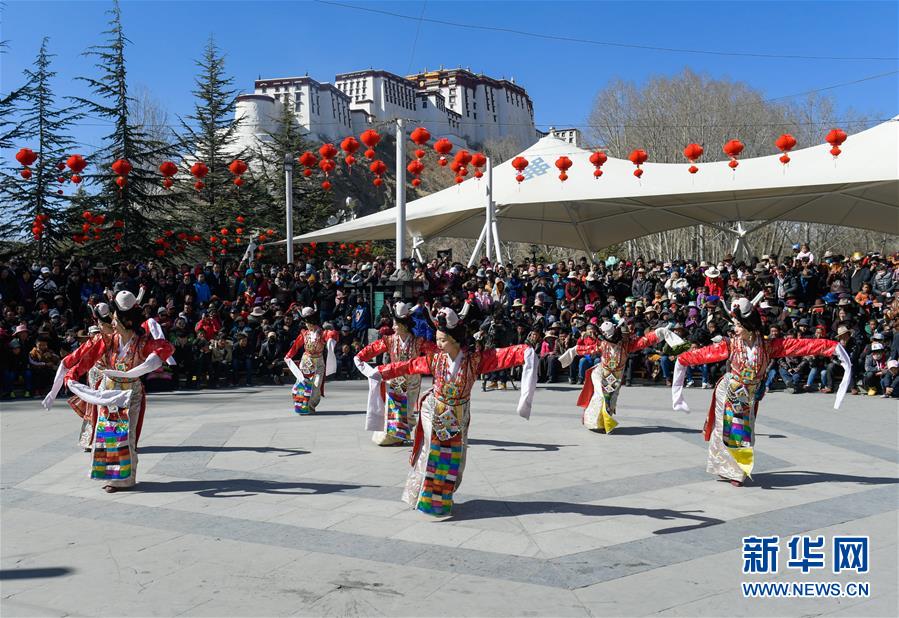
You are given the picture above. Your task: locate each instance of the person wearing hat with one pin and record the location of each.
(129, 354)
(844, 336)
(714, 284)
(729, 427)
(602, 382)
(875, 368)
(441, 437)
(889, 383)
(393, 417)
(312, 370)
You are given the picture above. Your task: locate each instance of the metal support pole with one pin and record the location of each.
(499, 255)
(477, 246)
(288, 200)
(488, 175)
(400, 192)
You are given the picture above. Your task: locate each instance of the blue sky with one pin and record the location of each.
(272, 39)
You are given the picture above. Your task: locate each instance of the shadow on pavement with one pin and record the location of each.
(486, 509)
(6, 574)
(241, 488)
(524, 447)
(639, 431)
(798, 478)
(183, 448)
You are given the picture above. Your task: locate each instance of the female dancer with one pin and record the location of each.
(441, 435)
(310, 375)
(729, 427)
(602, 382)
(401, 393)
(120, 399)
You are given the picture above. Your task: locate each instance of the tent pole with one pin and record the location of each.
(288, 201)
(400, 192)
(477, 246)
(497, 248)
(489, 225)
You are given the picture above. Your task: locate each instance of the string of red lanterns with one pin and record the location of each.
(598, 159)
(638, 157)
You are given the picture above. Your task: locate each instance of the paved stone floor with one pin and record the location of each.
(244, 509)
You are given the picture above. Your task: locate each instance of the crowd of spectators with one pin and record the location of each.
(231, 324)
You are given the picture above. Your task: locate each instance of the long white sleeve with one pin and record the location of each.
(528, 384)
(57, 385)
(677, 388)
(152, 363)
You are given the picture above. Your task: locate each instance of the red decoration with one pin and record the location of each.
(563, 164)
(835, 138)
(121, 167)
(598, 159)
(638, 157)
(416, 182)
(121, 181)
(326, 185)
(327, 151)
(378, 168)
(26, 156)
(732, 149)
(60, 166)
(785, 144)
(76, 179)
(199, 185)
(597, 173)
(443, 147)
(478, 173)
(327, 166)
(223, 231)
(519, 163)
(638, 172)
(307, 172)
(86, 215)
(307, 159)
(199, 170)
(167, 168)
(349, 145)
(238, 167)
(692, 169)
(61, 179)
(238, 181)
(25, 173)
(377, 181)
(415, 168)
(459, 180)
(118, 223)
(76, 163)
(463, 157)
(419, 153)
(240, 219)
(370, 138)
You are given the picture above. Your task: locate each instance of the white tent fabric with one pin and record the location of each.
(860, 188)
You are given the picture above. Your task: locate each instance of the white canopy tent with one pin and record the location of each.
(860, 189)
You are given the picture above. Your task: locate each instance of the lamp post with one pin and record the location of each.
(288, 188)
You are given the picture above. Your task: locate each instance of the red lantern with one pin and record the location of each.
(199, 170)
(785, 144)
(327, 151)
(598, 158)
(415, 168)
(349, 145)
(26, 156)
(25, 173)
(121, 167)
(76, 179)
(86, 215)
(443, 147)
(327, 166)
(326, 185)
(60, 166)
(692, 152)
(835, 138)
(307, 159)
(416, 182)
(638, 157)
(459, 180)
(76, 163)
(307, 172)
(199, 185)
(463, 171)
(563, 164)
(370, 138)
(240, 219)
(213, 239)
(121, 181)
(238, 167)
(519, 163)
(463, 157)
(420, 136)
(238, 181)
(478, 173)
(732, 149)
(377, 181)
(478, 160)
(167, 168)
(223, 231)
(378, 168)
(61, 179)
(420, 154)
(638, 172)
(118, 223)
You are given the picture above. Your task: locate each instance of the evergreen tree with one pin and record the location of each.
(43, 127)
(141, 203)
(209, 134)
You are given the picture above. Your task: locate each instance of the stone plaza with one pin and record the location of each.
(245, 509)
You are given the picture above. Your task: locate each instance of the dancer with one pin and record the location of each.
(441, 435)
(729, 427)
(400, 394)
(120, 399)
(602, 382)
(310, 375)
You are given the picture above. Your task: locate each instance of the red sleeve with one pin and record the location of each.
(81, 360)
(162, 348)
(331, 334)
(420, 365)
(778, 348)
(502, 358)
(297, 345)
(643, 342)
(584, 348)
(714, 353)
(378, 346)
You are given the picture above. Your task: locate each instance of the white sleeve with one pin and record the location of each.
(569, 356)
(57, 384)
(331, 361)
(117, 398)
(374, 412)
(528, 383)
(150, 365)
(677, 388)
(157, 333)
(297, 374)
(843, 355)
